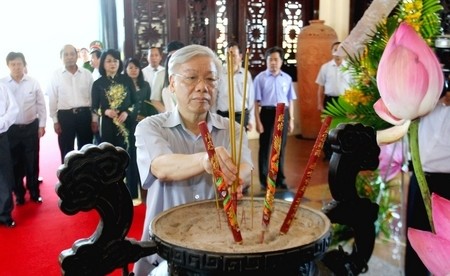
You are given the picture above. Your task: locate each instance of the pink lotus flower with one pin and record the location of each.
(434, 249)
(409, 77)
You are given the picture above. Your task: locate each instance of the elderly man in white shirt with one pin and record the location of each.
(154, 59)
(69, 96)
(239, 75)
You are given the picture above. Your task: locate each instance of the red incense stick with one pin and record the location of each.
(310, 166)
(273, 167)
(220, 183)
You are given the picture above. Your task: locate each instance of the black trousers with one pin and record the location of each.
(237, 116)
(267, 116)
(416, 216)
(6, 179)
(75, 123)
(132, 181)
(24, 145)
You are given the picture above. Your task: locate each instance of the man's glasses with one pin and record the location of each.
(194, 80)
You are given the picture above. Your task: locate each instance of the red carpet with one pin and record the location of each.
(42, 231)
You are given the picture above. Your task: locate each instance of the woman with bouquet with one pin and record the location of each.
(112, 100)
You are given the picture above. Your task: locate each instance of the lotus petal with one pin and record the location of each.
(392, 134)
(441, 216)
(433, 250)
(384, 113)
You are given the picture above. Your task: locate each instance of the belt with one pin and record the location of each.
(225, 113)
(272, 107)
(77, 110)
(268, 107)
(25, 125)
(430, 174)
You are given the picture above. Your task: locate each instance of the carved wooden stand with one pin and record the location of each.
(355, 149)
(92, 179)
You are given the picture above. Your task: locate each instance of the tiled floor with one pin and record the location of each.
(388, 253)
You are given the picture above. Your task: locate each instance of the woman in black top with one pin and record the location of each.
(142, 92)
(112, 99)
(142, 108)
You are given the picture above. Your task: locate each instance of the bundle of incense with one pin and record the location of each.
(310, 166)
(231, 116)
(220, 183)
(273, 167)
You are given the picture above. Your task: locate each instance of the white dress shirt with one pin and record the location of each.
(223, 93)
(67, 90)
(333, 78)
(434, 142)
(149, 73)
(30, 99)
(157, 85)
(8, 108)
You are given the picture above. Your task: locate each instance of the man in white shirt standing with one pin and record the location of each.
(333, 80)
(160, 96)
(69, 95)
(154, 58)
(239, 75)
(29, 127)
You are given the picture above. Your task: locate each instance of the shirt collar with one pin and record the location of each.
(343, 63)
(268, 73)
(24, 78)
(225, 70)
(64, 70)
(212, 120)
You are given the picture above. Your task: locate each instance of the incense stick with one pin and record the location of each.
(220, 183)
(231, 116)
(310, 166)
(273, 167)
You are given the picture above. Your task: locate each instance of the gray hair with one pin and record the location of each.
(188, 52)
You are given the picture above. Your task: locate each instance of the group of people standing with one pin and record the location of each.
(88, 105)
(110, 106)
(167, 147)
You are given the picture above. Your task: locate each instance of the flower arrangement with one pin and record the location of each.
(116, 94)
(397, 52)
(356, 105)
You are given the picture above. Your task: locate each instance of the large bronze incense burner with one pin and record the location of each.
(196, 241)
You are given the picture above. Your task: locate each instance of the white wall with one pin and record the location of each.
(336, 14)
(39, 29)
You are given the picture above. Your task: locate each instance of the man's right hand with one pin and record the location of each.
(57, 128)
(94, 127)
